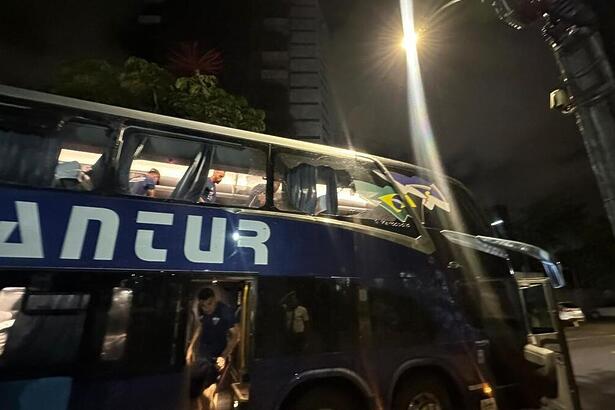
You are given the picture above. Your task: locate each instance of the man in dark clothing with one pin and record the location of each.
(210, 192)
(212, 343)
(145, 185)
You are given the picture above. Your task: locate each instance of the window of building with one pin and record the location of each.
(349, 189)
(193, 170)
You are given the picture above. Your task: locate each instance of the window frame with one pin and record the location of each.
(421, 242)
(64, 117)
(187, 135)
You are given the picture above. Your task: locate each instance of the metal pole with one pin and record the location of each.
(589, 81)
(571, 29)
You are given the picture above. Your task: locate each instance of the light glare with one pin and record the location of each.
(410, 40)
(496, 223)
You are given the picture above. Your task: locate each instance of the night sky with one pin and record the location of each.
(488, 91)
(487, 87)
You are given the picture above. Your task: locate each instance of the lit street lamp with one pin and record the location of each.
(413, 39)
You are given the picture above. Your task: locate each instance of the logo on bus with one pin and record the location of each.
(30, 245)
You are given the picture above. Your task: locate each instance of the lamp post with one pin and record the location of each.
(570, 27)
(413, 39)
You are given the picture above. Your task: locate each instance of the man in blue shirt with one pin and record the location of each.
(212, 343)
(209, 193)
(145, 185)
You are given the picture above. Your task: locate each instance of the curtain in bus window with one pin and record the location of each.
(130, 148)
(327, 176)
(301, 182)
(27, 146)
(191, 186)
(28, 158)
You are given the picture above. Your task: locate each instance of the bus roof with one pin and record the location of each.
(105, 109)
(83, 105)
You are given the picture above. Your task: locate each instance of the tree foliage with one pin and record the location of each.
(583, 242)
(146, 86)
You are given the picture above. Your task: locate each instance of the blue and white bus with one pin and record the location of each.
(405, 305)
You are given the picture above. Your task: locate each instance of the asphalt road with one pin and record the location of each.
(592, 347)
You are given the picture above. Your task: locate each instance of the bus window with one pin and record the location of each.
(31, 322)
(118, 318)
(10, 302)
(349, 189)
(82, 161)
(190, 170)
(538, 314)
(431, 200)
(44, 151)
(302, 316)
(154, 166)
(244, 182)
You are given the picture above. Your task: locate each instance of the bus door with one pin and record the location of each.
(547, 348)
(231, 390)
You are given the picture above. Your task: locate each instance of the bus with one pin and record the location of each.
(405, 300)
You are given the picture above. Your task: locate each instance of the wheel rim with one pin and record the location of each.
(425, 401)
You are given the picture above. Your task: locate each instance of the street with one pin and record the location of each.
(592, 347)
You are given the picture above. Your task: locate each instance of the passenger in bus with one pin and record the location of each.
(209, 193)
(145, 185)
(71, 175)
(216, 336)
(258, 194)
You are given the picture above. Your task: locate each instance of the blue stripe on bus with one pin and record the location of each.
(293, 247)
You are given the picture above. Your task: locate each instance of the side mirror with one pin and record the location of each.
(499, 247)
(551, 267)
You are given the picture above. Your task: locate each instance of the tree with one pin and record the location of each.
(146, 86)
(581, 241)
(187, 59)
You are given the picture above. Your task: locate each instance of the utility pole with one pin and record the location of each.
(571, 29)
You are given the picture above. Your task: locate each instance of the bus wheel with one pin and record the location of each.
(423, 392)
(325, 398)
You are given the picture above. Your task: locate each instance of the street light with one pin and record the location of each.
(413, 39)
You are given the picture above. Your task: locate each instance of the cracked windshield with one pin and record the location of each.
(307, 205)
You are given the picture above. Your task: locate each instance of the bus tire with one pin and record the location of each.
(325, 398)
(420, 391)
